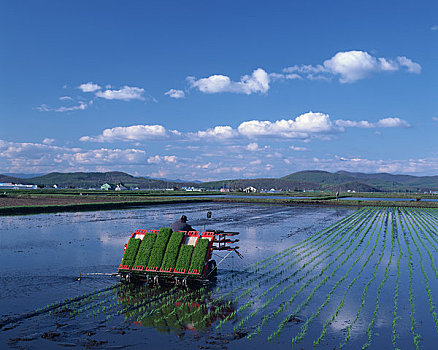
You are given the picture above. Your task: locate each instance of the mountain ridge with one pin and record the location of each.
(302, 180)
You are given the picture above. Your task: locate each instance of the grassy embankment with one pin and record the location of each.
(56, 208)
(50, 201)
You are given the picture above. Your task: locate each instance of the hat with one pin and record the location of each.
(183, 218)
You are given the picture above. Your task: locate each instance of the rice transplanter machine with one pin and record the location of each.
(164, 256)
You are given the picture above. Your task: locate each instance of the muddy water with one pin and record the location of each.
(42, 257)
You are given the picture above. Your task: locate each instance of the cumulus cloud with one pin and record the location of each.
(257, 82)
(129, 134)
(253, 146)
(409, 64)
(300, 127)
(218, 132)
(25, 156)
(79, 107)
(306, 126)
(297, 149)
(126, 93)
(89, 87)
(351, 66)
(48, 141)
(161, 159)
(390, 122)
(175, 93)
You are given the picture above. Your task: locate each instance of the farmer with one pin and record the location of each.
(181, 225)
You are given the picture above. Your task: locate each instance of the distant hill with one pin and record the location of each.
(94, 180)
(339, 181)
(22, 176)
(302, 180)
(12, 179)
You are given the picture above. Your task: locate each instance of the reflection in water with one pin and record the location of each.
(173, 310)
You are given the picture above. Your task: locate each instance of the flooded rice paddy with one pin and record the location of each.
(311, 277)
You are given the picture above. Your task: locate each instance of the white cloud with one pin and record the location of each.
(41, 157)
(255, 162)
(257, 82)
(65, 98)
(129, 134)
(351, 66)
(435, 27)
(48, 141)
(126, 93)
(80, 107)
(354, 124)
(161, 159)
(409, 64)
(301, 127)
(218, 132)
(298, 149)
(390, 122)
(175, 93)
(89, 87)
(253, 146)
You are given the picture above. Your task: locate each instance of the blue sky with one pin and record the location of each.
(218, 89)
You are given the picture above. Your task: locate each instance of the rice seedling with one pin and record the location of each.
(199, 253)
(306, 301)
(131, 251)
(308, 272)
(304, 328)
(416, 336)
(340, 305)
(145, 250)
(172, 250)
(362, 298)
(385, 277)
(159, 247)
(426, 280)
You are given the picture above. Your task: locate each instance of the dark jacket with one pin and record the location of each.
(181, 226)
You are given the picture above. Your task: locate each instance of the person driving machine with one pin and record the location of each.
(181, 225)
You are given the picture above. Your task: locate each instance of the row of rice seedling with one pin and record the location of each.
(397, 287)
(131, 251)
(303, 244)
(304, 328)
(326, 242)
(426, 280)
(172, 250)
(352, 282)
(379, 290)
(184, 257)
(416, 336)
(144, 252)
(273, 314)
(306, 301)
(270, 261)
(362, 298)
(134, 302)
(140, 294)
(159, 247)
(302, 268)
(55, 307)
(332, 247)
(427, 224)
(199, 253)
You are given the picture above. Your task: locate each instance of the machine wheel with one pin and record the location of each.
(211, 268)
